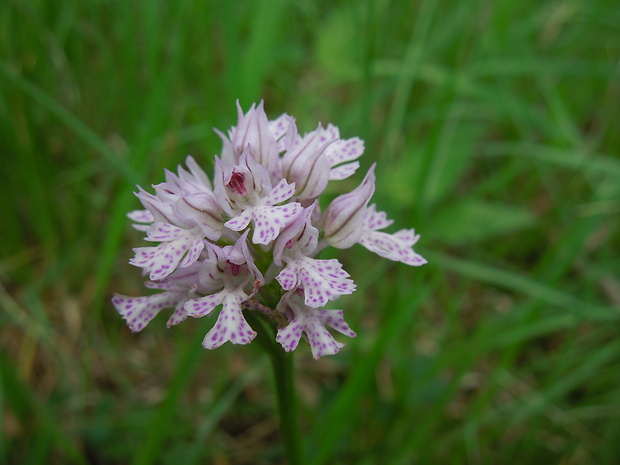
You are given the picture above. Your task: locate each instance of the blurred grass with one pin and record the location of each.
(495, 128)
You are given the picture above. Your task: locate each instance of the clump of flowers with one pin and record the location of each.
(251, 237)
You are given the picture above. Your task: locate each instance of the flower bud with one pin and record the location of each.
(344, 216)
(201, 210)
(306, 166)
(253, 130)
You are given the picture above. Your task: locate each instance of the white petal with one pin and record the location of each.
(343, 171)
(141, 216)
(395, 247)
(139, 311)
(204, 305)
(321, 280)
(268, 221)
(342, 151)
(162, 232)
(193, 254)
(231, 325)
(279, 126)
(312, 322)
(178, 316)
(241, 221)
(283, 191)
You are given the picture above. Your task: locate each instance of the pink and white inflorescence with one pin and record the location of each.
(223, 246)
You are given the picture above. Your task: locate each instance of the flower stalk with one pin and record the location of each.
(283, 367)
(284, 372)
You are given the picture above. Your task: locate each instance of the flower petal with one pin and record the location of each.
(306, 165)
(343, 171)
(345, 214)
(204, 305)
(278, 128)
(283, 191)
(231, 325)
(395, 246)
(345, 150)
(178, 316)
(201, 209)
(198, 174)
(376, 220)
(139, 311)
(193, 253)
(163, 232)
(240, 222)
(253, 131)
(312, 322)
(268, 221)
(162, 260)
(141, 216)
(300, 234)
(321, 280)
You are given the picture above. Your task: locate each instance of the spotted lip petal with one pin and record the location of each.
(342, 152)
(142, 219)
(139, 311)
(268, 221)
(321, 280)
(141, 216)
(205, 305)
(231, 269)
(300, 235)
(279, 127)
(396, 247)
(343, 172)
(312, 322)
(163, 232)
(181, 249)
(230, 325)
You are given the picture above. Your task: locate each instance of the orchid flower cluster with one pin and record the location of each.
(251, 237)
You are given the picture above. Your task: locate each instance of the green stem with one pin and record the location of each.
(284, 373)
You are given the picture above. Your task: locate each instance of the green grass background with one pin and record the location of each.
(495, 125)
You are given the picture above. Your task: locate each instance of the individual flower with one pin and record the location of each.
(178, 289)
(245, 194)
(312, 323)
(320, 280)
(181, 214)
(230, 270)
(253, 132)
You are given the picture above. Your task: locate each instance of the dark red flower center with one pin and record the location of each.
(234, 269)
(236, 183)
